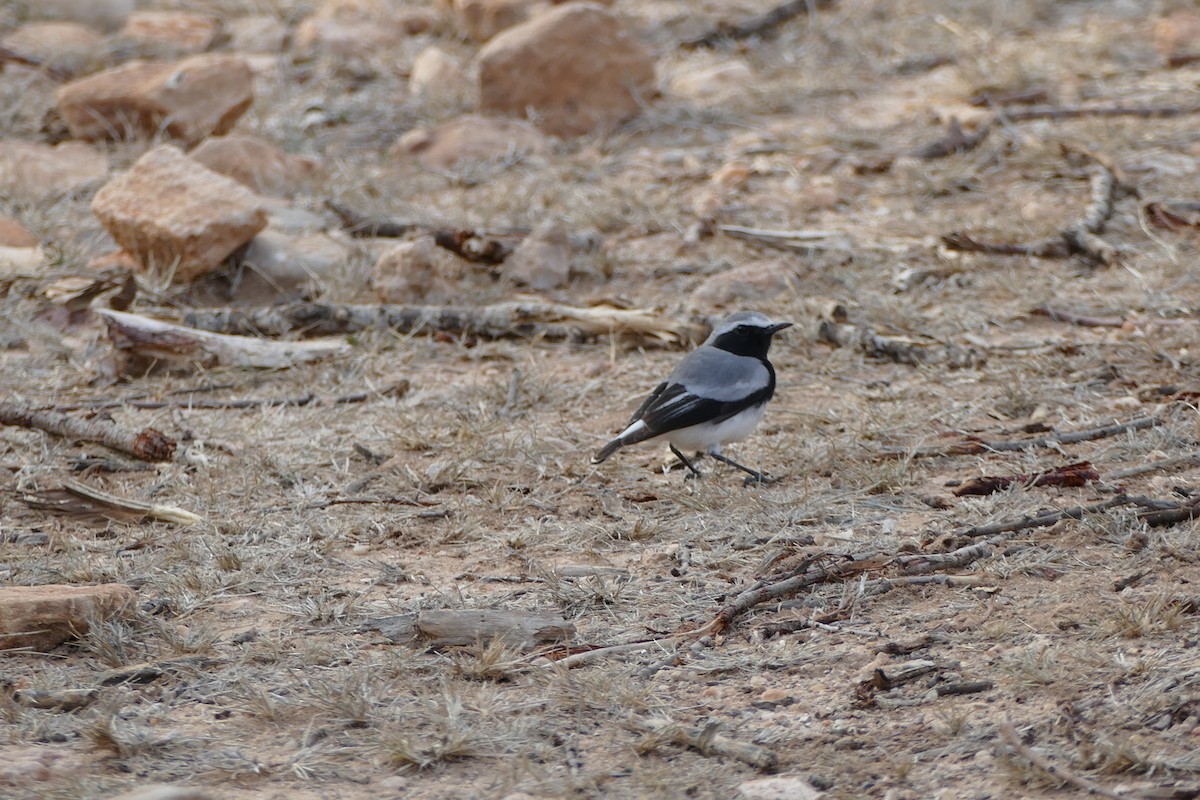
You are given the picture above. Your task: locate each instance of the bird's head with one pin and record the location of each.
(745, 333)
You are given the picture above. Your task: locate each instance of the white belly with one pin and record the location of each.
(709, 437)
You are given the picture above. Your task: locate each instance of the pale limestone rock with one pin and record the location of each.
(712, 83)
(354, 28)
(174, 32)
(105, 15)
(409, 272)
(36, 172)
(543, 258)
(257, 34)
(190, 99)
(746, 285)
(67, 47)
(278, 267)
(165, 791)
(482, 19)
(258, 164)
(435, 73)
(576, 69)
(42, 617)
(778, 787)
(176, 215)
(469, 138)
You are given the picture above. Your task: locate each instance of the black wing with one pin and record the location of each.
(672, 407)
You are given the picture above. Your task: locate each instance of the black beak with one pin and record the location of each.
(777, 327)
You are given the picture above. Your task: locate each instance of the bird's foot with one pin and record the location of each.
(759, 479)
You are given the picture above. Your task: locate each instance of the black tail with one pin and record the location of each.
(608, 450)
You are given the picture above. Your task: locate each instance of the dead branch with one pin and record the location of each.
(80, 500)
(757, 26)
(1173, 215)
(1189, 460)
(707, 741)
(794, 240)
(1059, 315)
(973, 446)
(449, 627)
(1079, 238)
(1117, 110)
(1077, 474)
(141, 337)
(397, 390)
(902, 350)
(954, 141)
(1157, 513)
(1013, 740)
(147, 444)
(963, 687)
(928, 562)
(580, 657)
(503, 320)
(357, 224)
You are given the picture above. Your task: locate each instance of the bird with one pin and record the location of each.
(716, 394)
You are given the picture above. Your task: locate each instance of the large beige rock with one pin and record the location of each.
(189, 99)
(173, 213)
(41, 617)
(356, 28)
(106, 15)
(751, 283)
(543, 258)
(36, 172)
(277, 267)
(469, 138)
(258, 164)
(483, 19)
(66, 47)
(575, 68)
(174, 32)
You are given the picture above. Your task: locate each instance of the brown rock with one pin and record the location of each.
(257, 34)
(543, 258)
(352, 28)
(37, 172)
(575, 67)
(172, 32)
(469, 138)
(105, 15)
(14, 234)
(483, 19)
(41, 617)
(436, 74)
(258, 164)
(174, 213)
(409, 272)
(190, 99)
(66, 47)
(754, 282)
(1177, 36)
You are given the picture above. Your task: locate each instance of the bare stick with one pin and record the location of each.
(955, 141)
(503, 320)
(398, 389)
(1060, 315)
(900, 349)
(147, 445)
(357, 224)
(1189, 460)
(1155, 512)
(928, 562)
(756, 26)
(588, 656)
(1013, 740)
(1074, 112)
(1079, 238)
(974, 446)
(707, 741)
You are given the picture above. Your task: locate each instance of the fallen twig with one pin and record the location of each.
(1079, 238)
(503, 320)
(972, 446)
(1156, 513)
(79, 499)
(357, 224)
(142, 337)
(791, 240)
(1173, 215)
(756, 26)
(707, 741)
(1013, 740)
(147, 444)
(1077, 474)
(398, 389)
(899, 349)
(916, 563)
(1059, 315)
(1116, 110)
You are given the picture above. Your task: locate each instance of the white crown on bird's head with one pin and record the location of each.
(748, 319)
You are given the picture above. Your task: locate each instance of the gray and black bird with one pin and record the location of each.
(716, 395)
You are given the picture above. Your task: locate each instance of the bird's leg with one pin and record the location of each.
(685, 461)
(755, 475)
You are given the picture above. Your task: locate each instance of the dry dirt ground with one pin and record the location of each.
(275, 682)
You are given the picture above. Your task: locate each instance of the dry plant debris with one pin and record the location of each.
(409, 580)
